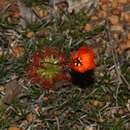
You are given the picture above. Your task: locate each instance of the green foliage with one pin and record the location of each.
(34, 2)
(4, 123)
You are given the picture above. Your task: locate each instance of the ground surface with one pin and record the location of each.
(103, 106)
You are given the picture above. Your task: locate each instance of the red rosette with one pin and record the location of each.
(47, 67)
